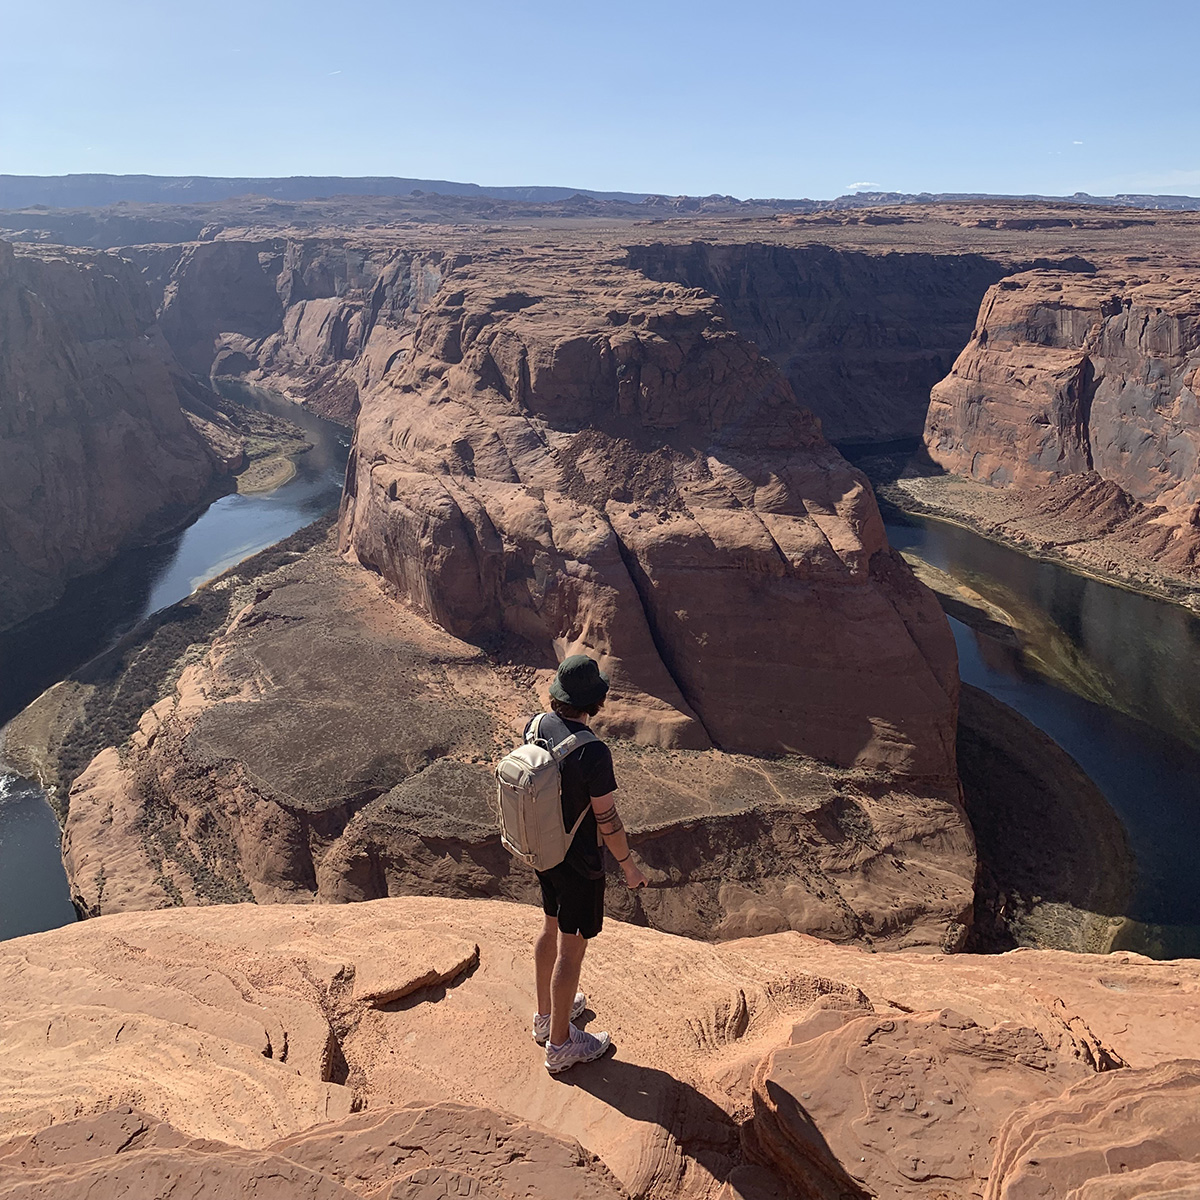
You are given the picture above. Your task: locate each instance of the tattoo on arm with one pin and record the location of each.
(609, 821)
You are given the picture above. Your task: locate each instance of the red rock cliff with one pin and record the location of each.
(580, 458)
(319, 318)
(95, 449)
(861, 337)
(1067, 374)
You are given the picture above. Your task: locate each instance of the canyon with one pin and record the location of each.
(612, 438)
(106, 441)
(572, 432)
(95, 447)
(607, 438)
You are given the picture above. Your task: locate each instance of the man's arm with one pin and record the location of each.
(608, 821)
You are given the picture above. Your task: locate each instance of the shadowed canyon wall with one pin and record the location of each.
(96, 450)
(861, 337)
(320, 319)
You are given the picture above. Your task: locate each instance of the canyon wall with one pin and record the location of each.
(579, 458)
(1082, 390)
(330, 745)
(96, 450)
(320, 319)
(861, 337)
(671, 458)
(553, 453)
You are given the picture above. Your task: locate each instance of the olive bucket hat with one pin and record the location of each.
(579, 682)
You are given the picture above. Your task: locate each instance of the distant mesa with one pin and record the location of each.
(98, 191)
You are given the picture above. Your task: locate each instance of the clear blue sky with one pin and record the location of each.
(758, 98)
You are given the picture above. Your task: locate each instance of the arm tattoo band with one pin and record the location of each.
(609, 814)
(608, 831)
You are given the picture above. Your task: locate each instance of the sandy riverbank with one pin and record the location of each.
(1011, 518)
(266, 474)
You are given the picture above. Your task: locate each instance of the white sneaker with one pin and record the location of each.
(580, 1047)
(541, 1024)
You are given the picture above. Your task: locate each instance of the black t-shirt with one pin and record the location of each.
(586, 772)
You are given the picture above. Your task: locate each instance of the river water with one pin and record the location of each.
(97, 610)
(1114, 678)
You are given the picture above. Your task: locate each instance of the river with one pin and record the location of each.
(1111, 675)
(1114, 678)
(97, 610)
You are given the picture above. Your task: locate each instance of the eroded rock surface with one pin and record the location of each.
(95, 446)
(322, 1050)
(861, 337)
(331, 745)
(579, 458)
(320, 319)
(1078, 391)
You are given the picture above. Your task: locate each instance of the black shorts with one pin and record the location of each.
(577, 902)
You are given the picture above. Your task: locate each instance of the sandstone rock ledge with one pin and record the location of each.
(382, 1050)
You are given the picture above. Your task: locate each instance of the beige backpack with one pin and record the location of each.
(529, 793)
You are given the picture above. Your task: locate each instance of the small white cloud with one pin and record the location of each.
(861, 187)
(335, 72)
(1076, 143)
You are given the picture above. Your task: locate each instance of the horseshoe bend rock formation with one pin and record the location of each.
(383, 1050)
(580, 458)
(1080, 391)
(95, 447)
(330, 745)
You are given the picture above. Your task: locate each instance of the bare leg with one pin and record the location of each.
(545, 951)
(563, 984)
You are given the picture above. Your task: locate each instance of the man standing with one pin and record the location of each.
(573, 891)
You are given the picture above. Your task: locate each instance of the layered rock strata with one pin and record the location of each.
(576, 458)
(321, 1051)
(1079, 392)
(861, 337)
(330, 745)
(96, 449)
(320, 319)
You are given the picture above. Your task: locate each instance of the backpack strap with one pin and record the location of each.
(566, 745)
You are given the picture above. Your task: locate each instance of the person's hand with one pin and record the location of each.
(634, 878)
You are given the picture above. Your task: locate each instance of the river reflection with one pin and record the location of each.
(97, 610)
(1108, 644)
(1091, 655)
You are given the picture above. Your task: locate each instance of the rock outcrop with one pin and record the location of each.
(333, 746)
(1079, 392)
(333, 1052)
(96, 450)
(861, 337)
(573, 457)
(319, 319)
